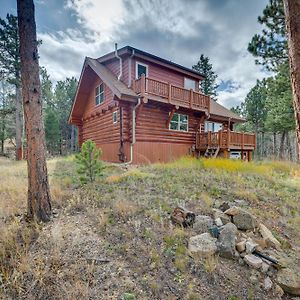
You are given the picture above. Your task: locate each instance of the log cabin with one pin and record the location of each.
(140, 108)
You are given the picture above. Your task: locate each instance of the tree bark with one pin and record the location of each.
(281, 148)
(274, 144)
(292, 18)
(289, 146)
(19, 123)
(39, 200)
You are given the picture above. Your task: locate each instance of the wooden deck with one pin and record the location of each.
(169, 93)
(229, 140)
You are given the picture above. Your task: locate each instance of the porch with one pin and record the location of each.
(226, 141)
(168, 93)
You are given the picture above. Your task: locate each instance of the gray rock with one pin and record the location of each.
(265, 267)
(253, 261)
(202, 223)
(268, 283)
(219, 214)
(203, 244)
(244, 220)
(219, 222)
(289, 280)
(226, 241)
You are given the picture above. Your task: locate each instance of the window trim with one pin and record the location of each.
(115, 113)
(178, 122)
(100, 93)
(136, 69)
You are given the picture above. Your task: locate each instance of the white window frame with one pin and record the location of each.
(186, 79)
(213, 126)
(179, 122)
(136, 69)
(100, 94)
(115, 117)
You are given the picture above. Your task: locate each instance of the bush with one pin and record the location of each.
(90, 165)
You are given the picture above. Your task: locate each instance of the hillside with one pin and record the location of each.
(115, 240)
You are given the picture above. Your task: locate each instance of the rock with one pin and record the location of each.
(219, 222)
(240, 202)
(232, 211)
(243, 254)
(244, 220)
(261, 243)
(226, 240)
(202, 223)
(250, 246)
(224, 206)
(241, 246)
(219, 214)
(183, 217)
(278, 291)
(265, 267)
(289, 280)
(253, 261)
(203, 244)
(268, 283)
(268, 236)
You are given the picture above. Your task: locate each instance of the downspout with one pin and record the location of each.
(120, 59)
(129, 68)
(133, 130)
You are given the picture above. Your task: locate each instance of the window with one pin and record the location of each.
(179, 122)
(140, 69)
(189, 83)
(115, 117)
(212, 126)
(99, 94)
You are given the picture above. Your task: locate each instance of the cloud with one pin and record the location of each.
(176, 30)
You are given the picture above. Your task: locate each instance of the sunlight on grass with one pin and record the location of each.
(135, 174)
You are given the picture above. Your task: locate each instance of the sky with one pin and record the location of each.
(177, 30)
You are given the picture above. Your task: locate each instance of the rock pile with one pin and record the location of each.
(235, 233)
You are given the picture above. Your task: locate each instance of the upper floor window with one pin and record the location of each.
(99, 94)
(189, 83)
(179, 122)
(140, 69)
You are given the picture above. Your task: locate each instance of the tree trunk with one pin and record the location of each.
(263, 144)
(274, 144)
(292, 18)
(39, 200)
(72, 138)
(289, 146)
(19, 123)
(281, 148)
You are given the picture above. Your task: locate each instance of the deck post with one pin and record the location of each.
(209, 138)
(191, 98)
(249, 155)
(143, 85)
(170, 93)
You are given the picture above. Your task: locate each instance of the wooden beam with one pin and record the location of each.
(201, 120)
(170, 117)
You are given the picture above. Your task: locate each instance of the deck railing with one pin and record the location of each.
(225, 139)
(172, 94)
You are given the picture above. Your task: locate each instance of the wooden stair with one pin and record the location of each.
(211, 152)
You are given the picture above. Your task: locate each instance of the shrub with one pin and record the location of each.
(90, 165)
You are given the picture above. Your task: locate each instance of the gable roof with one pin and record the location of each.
(140, 53)
(116, 86)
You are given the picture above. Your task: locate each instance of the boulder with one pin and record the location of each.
(253, 261)
(241, 246)
(224, 206)
(203, 244)
(219, 214)
(289, 280)
(268, 236)
(232, 211)
(268, 283)
(244, 220)
(250, 246)
(202, 223)
(226, 241)
(219, 222)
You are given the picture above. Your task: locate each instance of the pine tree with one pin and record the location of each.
(10, 69)
(208, 84)
(90, 165)
(39, 199)
(52, 131)
(270, 47)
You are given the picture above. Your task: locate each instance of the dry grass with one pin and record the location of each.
(124, 217)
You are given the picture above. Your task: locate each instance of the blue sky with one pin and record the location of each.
(178, 30)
